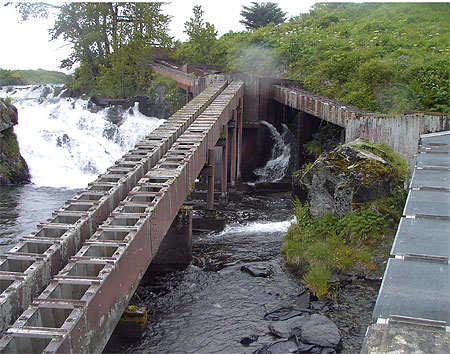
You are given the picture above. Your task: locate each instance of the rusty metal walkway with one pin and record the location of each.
(106, 237)
(319, 106)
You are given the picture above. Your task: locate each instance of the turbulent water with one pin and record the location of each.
(278, 163)
(64, 143)
(66, 146)
(212, 304)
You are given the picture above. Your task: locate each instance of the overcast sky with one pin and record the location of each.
(26, 45)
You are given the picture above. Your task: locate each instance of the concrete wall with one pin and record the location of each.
(401, 132)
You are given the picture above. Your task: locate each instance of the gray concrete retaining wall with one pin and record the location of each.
(400, 132)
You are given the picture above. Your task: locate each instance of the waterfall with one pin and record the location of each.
(277, 165)
(64, 143)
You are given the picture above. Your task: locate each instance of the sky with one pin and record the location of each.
(26, 45)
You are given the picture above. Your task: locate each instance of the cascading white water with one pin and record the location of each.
(276, 167)
(66, 145)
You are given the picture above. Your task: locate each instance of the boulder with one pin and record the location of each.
(154, 105)
(257, 270)
(13, 168)
(8, 116)
(348, 176)
(284, 329)
(320, 330)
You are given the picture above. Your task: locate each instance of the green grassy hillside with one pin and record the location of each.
(32, 77)
(384, 57)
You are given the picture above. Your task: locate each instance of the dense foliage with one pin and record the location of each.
(384, 57)
(32, 77)
(111, 42)
(261, 14)
(202, 39)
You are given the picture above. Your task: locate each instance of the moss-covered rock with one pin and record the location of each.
(349, 176)
(13, 168)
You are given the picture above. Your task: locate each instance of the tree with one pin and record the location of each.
(261, 14)
(99, 30)
(202, 38)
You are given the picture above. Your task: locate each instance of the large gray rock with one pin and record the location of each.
(347, 177)
(321, 331)
(8, 116)
(283, 329)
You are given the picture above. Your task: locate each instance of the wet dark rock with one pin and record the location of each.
(285, 313)
(284, 329)
(154, 105)
(8, 116)
(318, 305)
(246, 341)
(282, 346)
(13, 167)
(257, 270)
(303, 300)
(63, 140)
(305, 348)
(115, 115)
(321, 331)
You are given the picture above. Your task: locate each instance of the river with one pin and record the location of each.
(212, 304)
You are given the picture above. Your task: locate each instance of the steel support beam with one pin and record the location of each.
(211, 176)
(224, 161)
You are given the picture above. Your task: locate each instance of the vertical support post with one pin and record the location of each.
(233, 152)
(176, 247)
(225, 161)
(210, 197)
(240, 127)
(187, 94)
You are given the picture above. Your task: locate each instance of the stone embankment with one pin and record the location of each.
(13, 168)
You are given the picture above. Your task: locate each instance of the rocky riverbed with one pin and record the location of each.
(239, 297)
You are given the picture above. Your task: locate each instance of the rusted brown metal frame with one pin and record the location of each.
(97, 283)
(29, 266)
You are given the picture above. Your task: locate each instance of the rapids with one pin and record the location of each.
(64, 143)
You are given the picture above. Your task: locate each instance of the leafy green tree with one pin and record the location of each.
(100, 33)
(97, 30)
(261, 14)
(127, 73)
(201, 42)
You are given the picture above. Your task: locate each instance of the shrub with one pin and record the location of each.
(317, 279)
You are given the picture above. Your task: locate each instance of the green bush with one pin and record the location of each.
(322, 245)
(172, 92)
(317, 279)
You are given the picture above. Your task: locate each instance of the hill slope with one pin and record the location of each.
(384, 57)
(32, 77)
